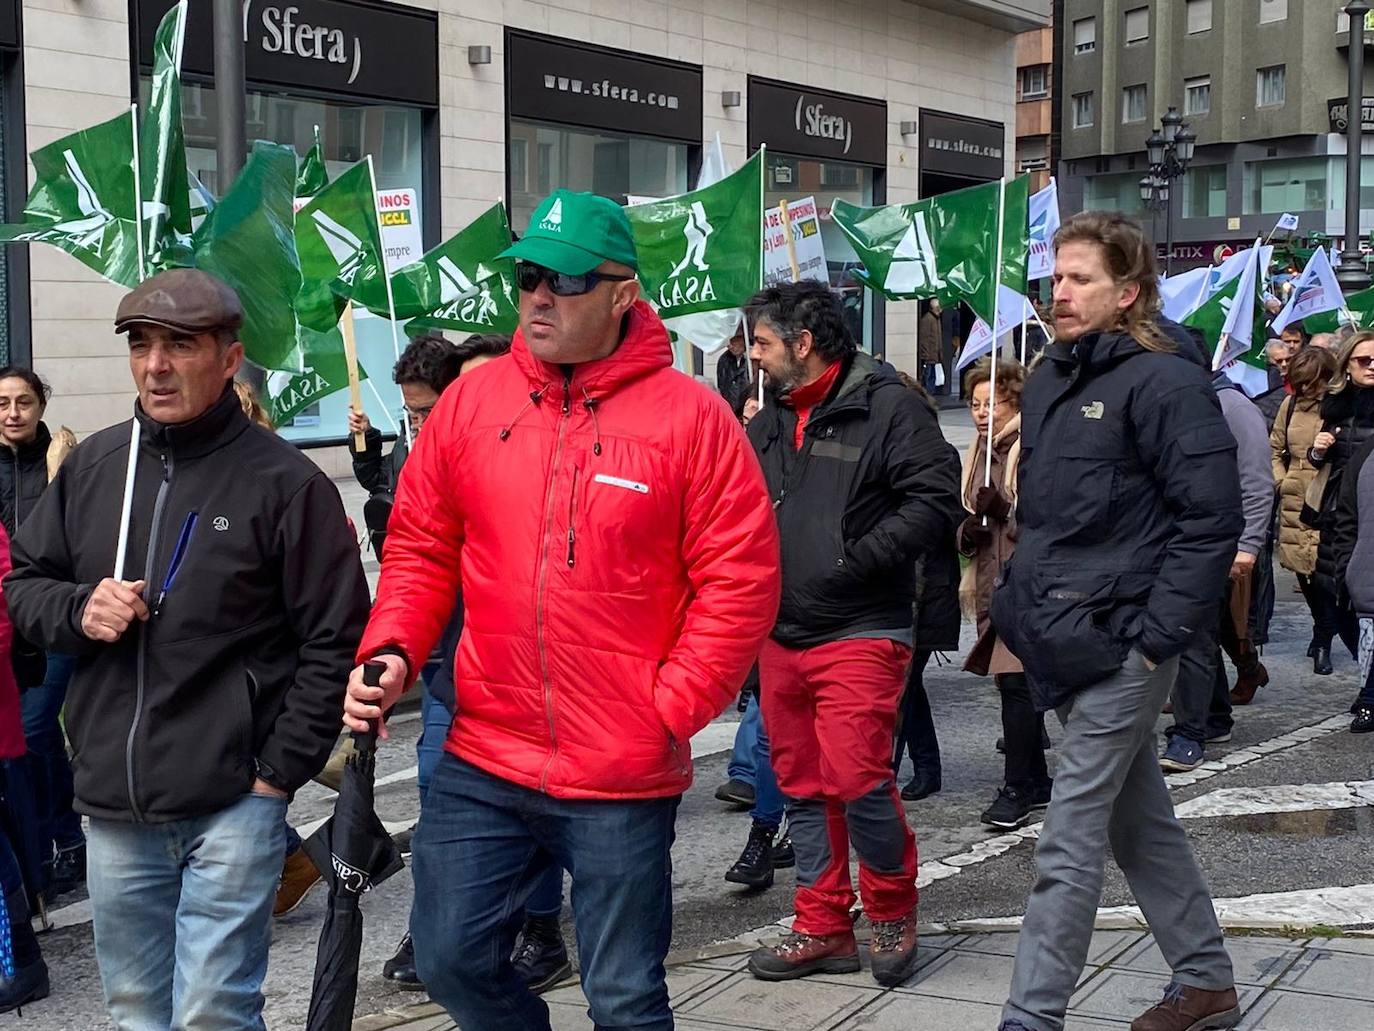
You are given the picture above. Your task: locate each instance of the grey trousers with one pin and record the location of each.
(1109, 788)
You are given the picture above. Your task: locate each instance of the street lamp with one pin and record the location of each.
(1351, 273)
(1169, 150)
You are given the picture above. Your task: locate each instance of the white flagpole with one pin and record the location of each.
(992, 368)
(1023, 336)
(136, 430)
(386, 277)
(1049, 337)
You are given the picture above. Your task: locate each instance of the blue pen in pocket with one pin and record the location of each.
(178, 556)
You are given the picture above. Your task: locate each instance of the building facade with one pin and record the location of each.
(1035, 67)
(1261, 82)
(464, 102)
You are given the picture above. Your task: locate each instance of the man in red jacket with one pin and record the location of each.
(610, 530)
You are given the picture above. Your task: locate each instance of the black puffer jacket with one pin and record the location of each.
(874, 486)
(1128, 537)
(23, 479)
(1352, 413)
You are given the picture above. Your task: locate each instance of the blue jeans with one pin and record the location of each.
(58, 824)
(483, 844)
(182, 913)
(434, 726)
(768, 800)
(741, 766)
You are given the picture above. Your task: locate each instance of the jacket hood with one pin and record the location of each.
(644, 349)
(1100, 350)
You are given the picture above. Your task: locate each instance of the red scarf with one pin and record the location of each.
(804, 399)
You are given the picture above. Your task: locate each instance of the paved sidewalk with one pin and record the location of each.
(1285, 984)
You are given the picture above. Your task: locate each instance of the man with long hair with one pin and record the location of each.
(1124, 547)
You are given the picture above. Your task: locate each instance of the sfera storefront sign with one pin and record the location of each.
(549, 80)
(958, 145)
(817, 123)
(334, 46)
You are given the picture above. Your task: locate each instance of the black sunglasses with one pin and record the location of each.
(560, 284)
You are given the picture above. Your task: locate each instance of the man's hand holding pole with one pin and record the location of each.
(112, 608)
(364, 704)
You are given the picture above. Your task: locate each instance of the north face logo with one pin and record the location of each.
(683, 285)
(1094, 410)
(553, 221)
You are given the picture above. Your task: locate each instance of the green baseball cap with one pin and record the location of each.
(573, 233)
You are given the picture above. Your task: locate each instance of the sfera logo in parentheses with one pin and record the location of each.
(284, 33)
(812, 120)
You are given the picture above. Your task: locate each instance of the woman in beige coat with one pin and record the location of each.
(1296, 425)
(987, 538)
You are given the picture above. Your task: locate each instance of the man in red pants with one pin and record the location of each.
(862, 483)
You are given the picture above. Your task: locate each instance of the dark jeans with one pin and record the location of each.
(1329, 617)
(916, 725)
(1022, 730)
(58, 824)
(1201, 695)
(483, 844)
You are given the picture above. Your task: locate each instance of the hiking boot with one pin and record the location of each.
(1185, 1008)
(893, 950)
(298, 876)
(1010, 809)
(1363, 723)
(67, 872)
(754, 868)
(400, 968)
(737, 793)
(540, 957)
(784, 857)
(923, 785)
(1182, 755)
(800, 954)
(1248, 683)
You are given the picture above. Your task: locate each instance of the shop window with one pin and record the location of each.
(1137, 25)
(1294, 184)
(1115, 191)
(350, 133)
(1197, 95)
(839, 177)
(1082, 110)
(1204, 192)
(1133, 103)
(519, 166)
(600, 161)
(1085, 35)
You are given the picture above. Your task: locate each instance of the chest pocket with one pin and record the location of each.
(1089, 474)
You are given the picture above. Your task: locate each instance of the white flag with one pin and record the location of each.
(1314, 292)
(1184, 293)
(1238, 330)
(1287, 222)
(1043, 224)
(1012, 310)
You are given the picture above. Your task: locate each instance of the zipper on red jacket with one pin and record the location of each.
(572, 518)
(542, 580)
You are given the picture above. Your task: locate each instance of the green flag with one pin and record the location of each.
(460, 285)
(82, 200)
(162, 151)
(323, 372)
(703, 250)
(339, 243)
(1359, 304)
(247, 241)
(943, 247)
(313, 176)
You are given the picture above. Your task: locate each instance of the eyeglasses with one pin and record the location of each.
(560, 284)
(1364, 361)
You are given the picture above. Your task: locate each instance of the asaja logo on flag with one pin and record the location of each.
(913, 265)
(464, 300)
(343, 244)
(553, 221)
(690, 280)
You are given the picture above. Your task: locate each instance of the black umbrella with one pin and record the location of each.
(353, 852)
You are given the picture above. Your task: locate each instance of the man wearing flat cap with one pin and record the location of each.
(610, 530)
(208, 681)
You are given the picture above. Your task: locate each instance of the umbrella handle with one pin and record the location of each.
(372, 677)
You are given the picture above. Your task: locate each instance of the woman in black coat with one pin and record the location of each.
(1347, 422)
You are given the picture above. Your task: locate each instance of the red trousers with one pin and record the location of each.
(830, 713)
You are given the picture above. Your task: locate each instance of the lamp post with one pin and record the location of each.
(1351, 274)
(1170, 151)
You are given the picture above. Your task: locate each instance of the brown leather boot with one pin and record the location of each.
(1248, 681)
(893, 950)
(298, 876)
(800, 954)
(1185, 1008)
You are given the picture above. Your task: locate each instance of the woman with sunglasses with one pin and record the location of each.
(1347, 422)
